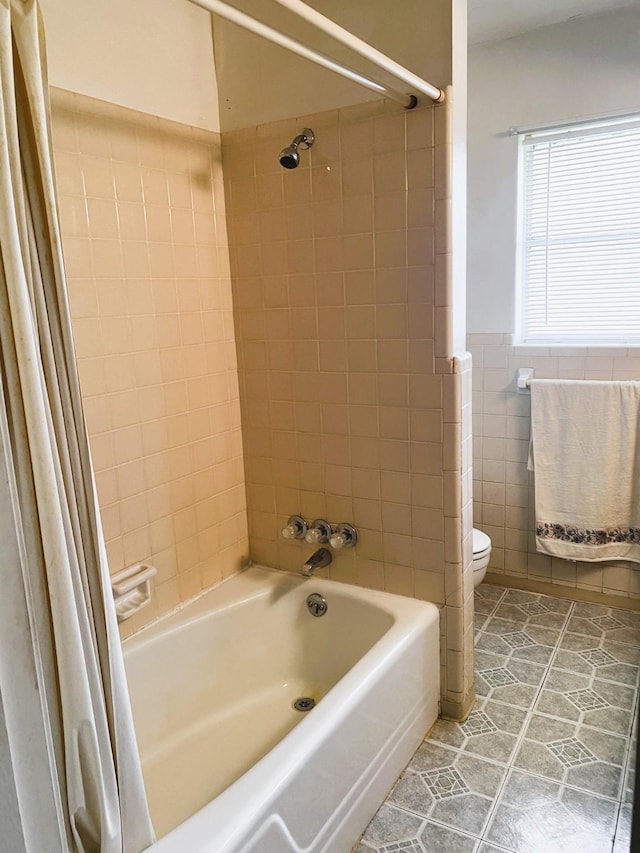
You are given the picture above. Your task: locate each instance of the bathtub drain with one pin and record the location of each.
(304, 703)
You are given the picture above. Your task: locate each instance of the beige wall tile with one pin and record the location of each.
(352, 351)
(334, 277)
(148, 383)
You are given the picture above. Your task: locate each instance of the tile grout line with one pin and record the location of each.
(619, 800)
(455, 751)
(509, 764)
(507, 768)
(438, 822)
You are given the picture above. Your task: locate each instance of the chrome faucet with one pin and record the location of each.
(318, 560)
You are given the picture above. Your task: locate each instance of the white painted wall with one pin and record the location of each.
(260, 82)
(155, 56)
(584, 68)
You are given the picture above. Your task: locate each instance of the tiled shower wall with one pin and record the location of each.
(354, 408)
(503, 488)
(351, 408)
(144, 232)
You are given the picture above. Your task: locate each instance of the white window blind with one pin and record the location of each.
(579, 249)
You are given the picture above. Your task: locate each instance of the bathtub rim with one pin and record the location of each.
(177, 618)
(238, 803)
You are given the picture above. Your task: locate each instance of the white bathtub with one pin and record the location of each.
(228, 764)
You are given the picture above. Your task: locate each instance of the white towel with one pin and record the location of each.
(585, 443)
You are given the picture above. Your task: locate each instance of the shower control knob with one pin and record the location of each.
(295, 529)
(344, 536)
(338, 541)
(319, 532)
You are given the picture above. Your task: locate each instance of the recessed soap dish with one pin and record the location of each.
(132, 589)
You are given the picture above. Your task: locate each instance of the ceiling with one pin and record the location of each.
(491, 20)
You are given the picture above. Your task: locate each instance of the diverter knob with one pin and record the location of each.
(295, 529)
(343, 536)
(319, 532)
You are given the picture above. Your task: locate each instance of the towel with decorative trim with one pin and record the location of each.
(585, 453)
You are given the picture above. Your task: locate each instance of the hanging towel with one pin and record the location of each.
(585, 452)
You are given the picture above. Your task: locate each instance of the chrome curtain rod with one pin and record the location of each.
(409, 101)
(321, 22)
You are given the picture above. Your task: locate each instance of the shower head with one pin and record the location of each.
(289, 157)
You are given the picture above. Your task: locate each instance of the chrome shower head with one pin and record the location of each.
(289, 157)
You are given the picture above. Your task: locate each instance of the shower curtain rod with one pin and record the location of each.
(409, 101)
(321, 22)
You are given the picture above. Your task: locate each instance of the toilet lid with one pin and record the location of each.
(480, 541)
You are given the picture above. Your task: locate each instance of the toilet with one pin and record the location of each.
(481, 555)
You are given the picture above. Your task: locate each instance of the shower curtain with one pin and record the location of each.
(92, 751)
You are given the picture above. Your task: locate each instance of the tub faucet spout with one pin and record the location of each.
(318, 560)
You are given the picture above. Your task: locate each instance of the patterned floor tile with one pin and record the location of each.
(436, 839)
(574, 755)
(622, 839)
(545, 762)
(491, 731)
(487, 598)
(533, 609)
(449, 787)
(599, 657)
(633, 747)
(508, 680)
(479, 621)
(594, 620)
(538, 816)
(392, 826)
(393, 830)
(490, 592)
(527, 600)
(621, 846)
(591, 701)
(630, 767)
(629, 785)
(530, 643)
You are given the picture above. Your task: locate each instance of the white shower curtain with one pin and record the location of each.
(65, 580)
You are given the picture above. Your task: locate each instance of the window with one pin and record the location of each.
(579, 234)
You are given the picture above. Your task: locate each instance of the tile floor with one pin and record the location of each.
(545, 761)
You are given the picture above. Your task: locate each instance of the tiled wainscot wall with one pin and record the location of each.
(503, 487)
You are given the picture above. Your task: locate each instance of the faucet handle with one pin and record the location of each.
(295, 528)
(344, 536)
(319, 532)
